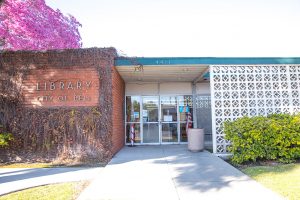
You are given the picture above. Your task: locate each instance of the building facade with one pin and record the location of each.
(92, 101)
(214, 90)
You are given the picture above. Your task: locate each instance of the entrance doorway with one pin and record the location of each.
(169, 119)
(158, 119)
(150, 112)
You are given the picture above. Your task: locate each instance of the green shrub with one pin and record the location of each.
(275, 137)
(5, 138)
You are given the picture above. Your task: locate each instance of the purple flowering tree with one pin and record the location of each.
(32, 25)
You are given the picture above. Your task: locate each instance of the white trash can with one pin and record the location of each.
(195, 139)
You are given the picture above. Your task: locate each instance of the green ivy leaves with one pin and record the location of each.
(5, 138)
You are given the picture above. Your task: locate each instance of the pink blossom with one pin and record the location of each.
(32, 25)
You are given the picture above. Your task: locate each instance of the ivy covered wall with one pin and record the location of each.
(56, 132)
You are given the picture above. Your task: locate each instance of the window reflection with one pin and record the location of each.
(150, 109)
(172, 111)
(169, 109)
(169, 132)
(150, 133)
(137, 133)
(185, 104)
(132, 108)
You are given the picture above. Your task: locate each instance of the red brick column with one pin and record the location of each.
(118, 95)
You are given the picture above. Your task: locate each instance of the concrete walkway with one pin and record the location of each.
(14, 179)
(171, 172)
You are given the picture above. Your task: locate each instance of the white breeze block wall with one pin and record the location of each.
(251, 90)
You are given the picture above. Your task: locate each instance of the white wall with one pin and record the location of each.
(141, 89)
(174, 88)
(203, 88)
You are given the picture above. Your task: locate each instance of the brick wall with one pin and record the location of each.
(74, 130)
(118, 94)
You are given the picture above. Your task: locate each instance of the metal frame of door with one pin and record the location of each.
(141, 123)
(162, 122)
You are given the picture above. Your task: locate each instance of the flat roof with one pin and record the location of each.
(129, 61)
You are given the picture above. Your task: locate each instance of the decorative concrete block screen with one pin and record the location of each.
(203, 112)
(240, 90)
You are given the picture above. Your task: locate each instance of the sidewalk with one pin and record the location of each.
(14, 179)
(171, 172)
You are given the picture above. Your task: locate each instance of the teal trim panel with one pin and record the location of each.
(127, 61)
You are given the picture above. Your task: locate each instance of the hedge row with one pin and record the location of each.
(275, 137)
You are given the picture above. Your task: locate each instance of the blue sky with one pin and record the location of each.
(189, 27)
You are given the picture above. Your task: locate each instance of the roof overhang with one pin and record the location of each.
(163, 73)
(184, 69)
(126, 61)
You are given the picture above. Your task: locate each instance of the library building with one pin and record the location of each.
(151, 100)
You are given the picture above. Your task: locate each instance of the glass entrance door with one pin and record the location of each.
(169, 119)
(158, 119)
(150, 119)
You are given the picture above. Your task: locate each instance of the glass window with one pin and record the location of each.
(137, 132)
(169, 109)
(183, 133)
(150, 133)
(185, 107)
(150, 109)
(169, 132)
(133, 109)
(203, 113)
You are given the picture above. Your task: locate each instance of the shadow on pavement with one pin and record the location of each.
(16, 174)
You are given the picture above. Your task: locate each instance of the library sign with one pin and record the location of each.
(61, 87)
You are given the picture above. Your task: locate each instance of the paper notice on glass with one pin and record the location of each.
(136, 115)
(168, 118)
(145, 113)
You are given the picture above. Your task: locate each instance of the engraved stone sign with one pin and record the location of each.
(61, 87)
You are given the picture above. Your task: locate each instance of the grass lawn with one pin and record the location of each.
(283, 179)
(62, 191)
(27, 165)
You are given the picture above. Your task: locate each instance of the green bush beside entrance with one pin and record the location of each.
(275, 137)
